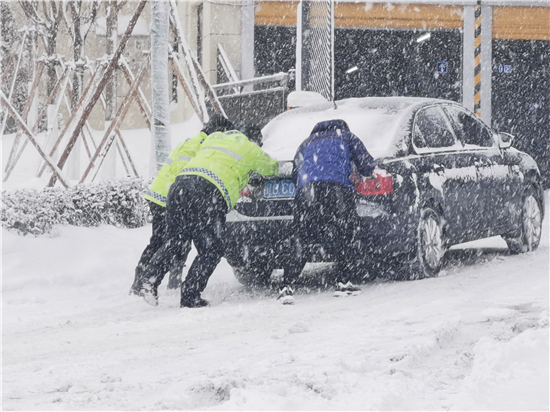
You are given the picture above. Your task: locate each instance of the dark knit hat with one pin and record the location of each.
(253, 132)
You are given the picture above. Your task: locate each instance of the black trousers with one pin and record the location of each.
(157, 237)
(324, 215)
(155, 243)
(195, 211)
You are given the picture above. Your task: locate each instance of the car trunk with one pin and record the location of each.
(269, 196)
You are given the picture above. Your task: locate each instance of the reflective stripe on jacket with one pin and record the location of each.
(177, 160)
(226, 159)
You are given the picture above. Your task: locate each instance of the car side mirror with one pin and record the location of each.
(505, 140)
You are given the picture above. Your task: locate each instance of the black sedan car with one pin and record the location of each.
(443, 177)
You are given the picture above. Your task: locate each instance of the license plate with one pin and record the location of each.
(282, 189)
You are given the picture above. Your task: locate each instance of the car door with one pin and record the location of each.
(445, 168)
(497, 179)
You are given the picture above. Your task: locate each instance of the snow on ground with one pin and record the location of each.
(474, 338)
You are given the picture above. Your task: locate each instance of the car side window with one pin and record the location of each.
(431, 130)
(469, 129)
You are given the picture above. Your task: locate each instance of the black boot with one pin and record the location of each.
(192, 300)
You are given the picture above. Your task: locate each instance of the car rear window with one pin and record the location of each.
(376, 121)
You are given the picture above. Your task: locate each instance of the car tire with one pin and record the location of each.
(430, 246)
(257, 275)
(531, 226)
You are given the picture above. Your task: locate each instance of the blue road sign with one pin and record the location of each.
(504, 68)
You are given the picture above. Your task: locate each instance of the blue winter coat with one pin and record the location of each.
(327, 156)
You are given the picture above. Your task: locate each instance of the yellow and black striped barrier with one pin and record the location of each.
(477, 56)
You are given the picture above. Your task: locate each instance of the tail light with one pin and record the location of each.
(246, 192)
(378, 184)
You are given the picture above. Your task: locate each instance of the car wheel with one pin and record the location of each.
(430, 246)
(531, 226)
(257, 275)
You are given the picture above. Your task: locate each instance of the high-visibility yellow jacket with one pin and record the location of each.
(171, 168)
(225, 159)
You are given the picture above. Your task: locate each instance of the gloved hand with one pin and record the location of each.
(286, 169)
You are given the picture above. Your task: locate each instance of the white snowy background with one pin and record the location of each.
(474, 338)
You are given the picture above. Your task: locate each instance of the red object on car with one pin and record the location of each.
(376, 185)
(246, 191)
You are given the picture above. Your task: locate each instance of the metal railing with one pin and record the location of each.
(255, 100)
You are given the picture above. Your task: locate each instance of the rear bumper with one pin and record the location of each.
(268, 238)
(248, 238)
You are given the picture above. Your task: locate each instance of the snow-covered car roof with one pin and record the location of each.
(380, 123)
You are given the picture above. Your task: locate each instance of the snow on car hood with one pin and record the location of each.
(380, 123)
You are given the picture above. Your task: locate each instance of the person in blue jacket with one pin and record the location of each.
(324, 206)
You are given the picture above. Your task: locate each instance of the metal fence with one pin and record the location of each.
(256, 100)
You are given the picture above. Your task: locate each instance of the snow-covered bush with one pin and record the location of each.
(121, 200)
(29, 212)
(35, 212)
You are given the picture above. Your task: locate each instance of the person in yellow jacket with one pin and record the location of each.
(156, 197)
(205, 190)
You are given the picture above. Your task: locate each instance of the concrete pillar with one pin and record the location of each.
(222, 24)
(208, 43)
(247, 41)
